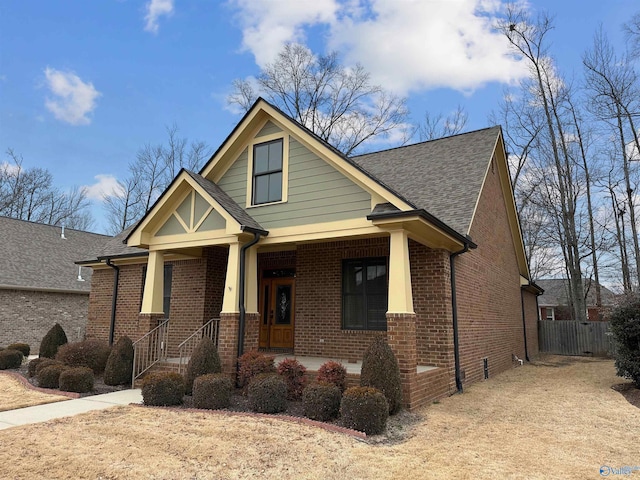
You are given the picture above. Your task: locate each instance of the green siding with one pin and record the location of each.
(171, 227)
(214, 221)
(317, 192)
(200, 208)
(184, 210)
(268, 129)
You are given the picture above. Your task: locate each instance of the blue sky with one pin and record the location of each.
(84, 85)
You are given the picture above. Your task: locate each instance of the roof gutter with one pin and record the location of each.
(114, 300)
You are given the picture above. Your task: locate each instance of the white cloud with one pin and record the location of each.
(405, 45)
(106, 186)
(72, 98)
(155, 9)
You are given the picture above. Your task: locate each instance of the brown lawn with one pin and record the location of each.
(14, 394)
(558, 418)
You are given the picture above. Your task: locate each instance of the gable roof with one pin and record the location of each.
(34, 256)
(443, 177)
(556, 292)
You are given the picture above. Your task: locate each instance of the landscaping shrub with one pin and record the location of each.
(293, 373)
(90, 353)
(204, 359)
(251, 364)
(321, 401)
(163, 389)
(49, 377)
(365, 409)
(380, 370)
(44, 363)
(625, 327)
(21, 347)
(267, 393)
(32, 366)
(54, 338)
(333, 372)
(76, 379)
(119, 367)
(10, 358)
(212, 391)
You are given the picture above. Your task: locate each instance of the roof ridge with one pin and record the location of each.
(6, 217)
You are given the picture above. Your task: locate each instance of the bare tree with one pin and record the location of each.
(337, 103)
(438, 126)
(632, 30)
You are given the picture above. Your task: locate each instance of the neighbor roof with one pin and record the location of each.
(443, 177)
(556, 290)
(34, 256)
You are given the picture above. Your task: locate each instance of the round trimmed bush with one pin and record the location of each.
(333, 372)
(32, 366)
(76, 379)
(50, 343)
(212, 391)
(163, 389)
(21, 347)
(380, 370)
(204, 360)
(49, 377)
(267, 393)
(119, 367)
(44, 363)
(293, 373)
(251, 364)
(365, 409)
(10, 358)
(90, 353)
(321, 401)
(625, 327)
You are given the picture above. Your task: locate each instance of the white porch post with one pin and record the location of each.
(231, 299)
(152, 299)
(251, 280)
(400, 292)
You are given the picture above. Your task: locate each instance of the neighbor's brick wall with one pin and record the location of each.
(488, 290)
(26, 316)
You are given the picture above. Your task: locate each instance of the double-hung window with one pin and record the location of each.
(364, 294)
(267, 172)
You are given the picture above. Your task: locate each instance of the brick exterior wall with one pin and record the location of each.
(26, 316)
(531, 312)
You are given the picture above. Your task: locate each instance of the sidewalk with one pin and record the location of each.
(67, 408)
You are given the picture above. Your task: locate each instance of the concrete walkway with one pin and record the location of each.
(67, 408)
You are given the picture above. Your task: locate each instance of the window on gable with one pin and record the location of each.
(364, 294)
(267, 172)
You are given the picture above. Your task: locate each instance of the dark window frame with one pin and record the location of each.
(368, 324)
(268, 173)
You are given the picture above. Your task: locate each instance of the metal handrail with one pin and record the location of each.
(150, 349)
(186, 348)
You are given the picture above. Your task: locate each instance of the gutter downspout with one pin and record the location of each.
(524, 325)
(241, 322)
(114, 300)
(454, 307)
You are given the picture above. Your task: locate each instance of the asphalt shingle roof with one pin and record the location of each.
(34, 255)
(556, 292)
(443, 177)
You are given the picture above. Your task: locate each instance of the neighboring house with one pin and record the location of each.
(554, 303)
(39, 281)
(296, 248)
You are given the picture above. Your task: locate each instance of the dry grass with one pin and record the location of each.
(14, 394)
(556, 419)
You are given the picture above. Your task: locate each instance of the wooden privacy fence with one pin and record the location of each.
(567, 337)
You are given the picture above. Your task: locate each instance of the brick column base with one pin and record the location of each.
(228, 341)
(147, 322)
(401, 336)
(251, 331)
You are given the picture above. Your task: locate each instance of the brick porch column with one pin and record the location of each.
(228, 341)
(147, 322)
(251, 331)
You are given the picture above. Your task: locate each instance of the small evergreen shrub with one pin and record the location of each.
(44, 363)
(333, 372)
(251, 364)
(49, 377)
(321, 401)
(10, 358)
(625, 327)
(50, 343)
(380, 370)
(293, 373)
(21, 347)
(119, 367)
(267, 393)
(212, 391)
(76, 379)
(365, 409)
(31, 371)
(90, 353)
(163, 389)
(204, 359)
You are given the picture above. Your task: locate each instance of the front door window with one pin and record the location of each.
(277, 309)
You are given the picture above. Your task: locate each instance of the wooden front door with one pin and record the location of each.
(277, 297)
